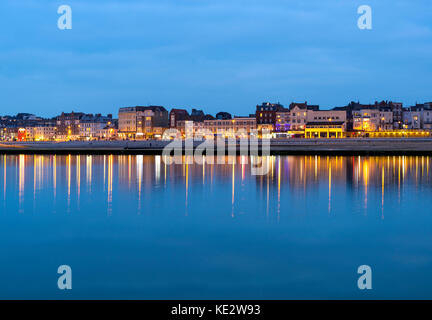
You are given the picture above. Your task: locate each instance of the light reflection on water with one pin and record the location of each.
(215, 230)
(136, 172)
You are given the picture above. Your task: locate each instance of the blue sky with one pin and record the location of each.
(216, 55)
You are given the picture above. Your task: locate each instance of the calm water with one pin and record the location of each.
(133, 227)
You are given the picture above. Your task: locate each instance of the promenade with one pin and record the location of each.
(347, 146)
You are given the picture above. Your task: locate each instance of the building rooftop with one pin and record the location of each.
(142, 108)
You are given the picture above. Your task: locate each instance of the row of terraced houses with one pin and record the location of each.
(381, 119)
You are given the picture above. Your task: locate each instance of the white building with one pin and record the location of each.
(411, 119)
(95, 127)
(298, 116)
(427, 119)
(326, 116)
(386, 121)
(418, 116)
(41, 133)
(236, 127)
(302, 113)
(366, 120)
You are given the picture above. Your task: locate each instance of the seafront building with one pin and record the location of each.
(366, 120)
(273, 120)
(298, 114)
(142, 122)
(40, 133)
(66, 126)
(325, 116)
(237, 127)
(97, 127)
(282, 124)
(418, 117)
(177, 115)
(364, 117)
(266, 113)
(325, 129)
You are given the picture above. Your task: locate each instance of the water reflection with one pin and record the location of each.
(55, 175)
(139, 172)
(307, 224)
(78, 177)
(295, 177)
(69, 173)
(110, 182)
(22, 159)
(89, 171)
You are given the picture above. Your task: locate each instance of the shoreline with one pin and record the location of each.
(346, 146)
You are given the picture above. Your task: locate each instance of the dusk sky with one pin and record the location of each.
(216, 55)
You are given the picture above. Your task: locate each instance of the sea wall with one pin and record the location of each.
(347, 146)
